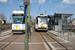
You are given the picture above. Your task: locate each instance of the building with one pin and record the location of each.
(61, 21)
(73, 24)
(4, 21)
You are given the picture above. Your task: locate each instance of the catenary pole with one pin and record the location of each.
(26, 35)
(29, 21)
(26, 3)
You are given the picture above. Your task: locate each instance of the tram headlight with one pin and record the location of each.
(14, 29)
(44, 27)
(19, 28)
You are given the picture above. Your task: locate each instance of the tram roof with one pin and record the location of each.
(17, 11)
(41, 15)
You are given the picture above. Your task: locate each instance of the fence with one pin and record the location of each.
(65, 35)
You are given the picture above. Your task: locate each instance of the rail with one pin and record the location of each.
(8, 40)
(51, 47)
(65, 35)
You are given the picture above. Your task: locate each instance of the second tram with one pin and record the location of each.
(41, 22)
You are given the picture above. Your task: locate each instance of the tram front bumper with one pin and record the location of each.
(18, 31)
(42, 29)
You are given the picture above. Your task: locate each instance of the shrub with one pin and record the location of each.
(0, 22)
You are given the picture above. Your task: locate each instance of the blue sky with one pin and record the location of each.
(50, 6)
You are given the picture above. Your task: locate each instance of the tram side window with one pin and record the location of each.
(56, 21)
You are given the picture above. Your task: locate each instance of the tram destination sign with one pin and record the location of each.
(17, 14)
(42, 16)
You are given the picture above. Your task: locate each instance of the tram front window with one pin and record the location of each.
(17, 20)
(42, 20)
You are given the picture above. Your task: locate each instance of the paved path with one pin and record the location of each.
(5, 32)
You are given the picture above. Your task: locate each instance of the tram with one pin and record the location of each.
(41, 23)
(18, 21)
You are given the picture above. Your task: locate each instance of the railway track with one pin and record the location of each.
(50, 46)
(4, 43)
(46, 42)
(7, 37)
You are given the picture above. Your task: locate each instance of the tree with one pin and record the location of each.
(2, 16)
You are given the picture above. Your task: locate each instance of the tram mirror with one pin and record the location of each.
(26, 2)
(36, 20)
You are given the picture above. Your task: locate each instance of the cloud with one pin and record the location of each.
(41, 1)
(11, 1)
(3, 0)
(62, 6)
(31, 1)
(69, 1)
(20, 2)
(50, 1)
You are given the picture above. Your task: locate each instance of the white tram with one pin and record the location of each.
(41, 22)
(18, 21)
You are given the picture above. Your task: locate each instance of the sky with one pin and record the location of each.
(50, 6)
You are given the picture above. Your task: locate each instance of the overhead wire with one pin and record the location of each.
(19, 1)
(39, 8)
